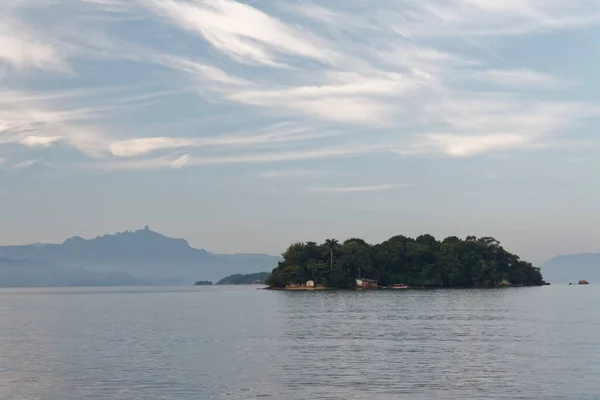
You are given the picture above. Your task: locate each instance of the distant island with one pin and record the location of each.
(245, 279)
(203, 283)
(402, 262)
(572, 268)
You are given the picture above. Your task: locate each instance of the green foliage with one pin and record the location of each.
(244, 279)
(424, 261)
(339, 278)
(286, 274)
(203, 283)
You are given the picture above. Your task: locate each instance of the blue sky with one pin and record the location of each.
(244, 126)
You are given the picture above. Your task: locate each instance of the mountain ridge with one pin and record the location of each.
(142, 253)
(565, 268)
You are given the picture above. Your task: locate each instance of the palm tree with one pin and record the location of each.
(331, 244)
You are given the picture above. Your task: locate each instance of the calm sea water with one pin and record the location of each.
(243, 343)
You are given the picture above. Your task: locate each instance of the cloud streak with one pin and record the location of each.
(519, 78)
(24, 164)
(462, 18)
(361, 189)
(290, 174)
(263, 157)
(278, 84)
(241, 31)
(23, 49)
(39, 141)
(136, 147)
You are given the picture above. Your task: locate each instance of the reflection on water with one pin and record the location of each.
(243, 343)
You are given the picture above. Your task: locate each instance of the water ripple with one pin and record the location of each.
(239, 343)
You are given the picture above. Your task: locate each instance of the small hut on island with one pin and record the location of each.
(363, 283)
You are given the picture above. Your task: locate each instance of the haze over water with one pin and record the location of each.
(242, 343)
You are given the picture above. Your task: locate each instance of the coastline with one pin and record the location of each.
(299, 289)
(390, 289)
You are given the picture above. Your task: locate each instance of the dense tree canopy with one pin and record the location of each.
(424, 261)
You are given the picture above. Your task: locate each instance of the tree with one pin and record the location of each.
(331, 245)
(317, 270)
(356, 256)
(423, 261)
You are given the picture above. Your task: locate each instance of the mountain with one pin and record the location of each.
(143, 254)
(572, 268)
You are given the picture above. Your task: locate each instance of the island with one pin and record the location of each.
(203, 283)
(245, 279)
(402, 263)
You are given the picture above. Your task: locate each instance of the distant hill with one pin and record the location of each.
(244, 279)
(144, 254)
(572, 268)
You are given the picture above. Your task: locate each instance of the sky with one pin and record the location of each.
(245, 126)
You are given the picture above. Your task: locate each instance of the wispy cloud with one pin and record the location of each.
(288, 173)
(270, 136)
(353, 189)
(462, 18)
(175, 161)
(306, 80)
(251, 157)
(348, 97)
(496, 123)
(519, 78)
(24, 164)
(462, 146)
(40, 120)
(180, 161)
(23, 49)
(136, 147)
(39, 141)
(204, 73)
(241, 31)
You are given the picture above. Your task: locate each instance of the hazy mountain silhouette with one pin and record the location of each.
(572, 268)
(143, 254)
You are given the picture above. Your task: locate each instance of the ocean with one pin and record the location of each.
(227, 342)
